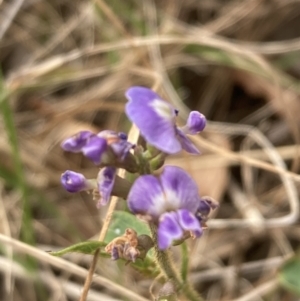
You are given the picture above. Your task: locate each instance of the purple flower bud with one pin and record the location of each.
(107, 147)
(195, 123)
(74, 182)
(92, 146)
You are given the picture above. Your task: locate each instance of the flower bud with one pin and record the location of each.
(75, 182)
(196, 123)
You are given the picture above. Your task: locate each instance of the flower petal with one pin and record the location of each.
(105, 180)
(117, 142)
(180, 189)
(154, 117)
(146, 196)
(204, 208)
(206, 205)
(121, 148)
(94, 148)
(76, 142)
(168, 230)
(109, 136)
(115, 252)
(186, 143)
(189, 222)
(74, 182)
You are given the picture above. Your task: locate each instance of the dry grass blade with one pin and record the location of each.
(68, 266)
(65, 66)
(9, 15)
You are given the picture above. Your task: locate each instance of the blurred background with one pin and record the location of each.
(65, 65)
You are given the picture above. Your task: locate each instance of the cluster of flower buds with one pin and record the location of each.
(169, 197)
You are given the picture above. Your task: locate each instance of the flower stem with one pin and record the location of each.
(169, 270)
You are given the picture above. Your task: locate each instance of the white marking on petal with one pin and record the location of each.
(158, 205)
(162, 203)
(173, 202)
(162, 108)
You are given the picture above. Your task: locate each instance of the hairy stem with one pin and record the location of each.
(169, 271)
(164, 260)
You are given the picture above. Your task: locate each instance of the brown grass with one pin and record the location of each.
(66, 65)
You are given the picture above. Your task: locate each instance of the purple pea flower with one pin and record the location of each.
(104, 147)
(75, 182)
(170, 200)
(156, 120)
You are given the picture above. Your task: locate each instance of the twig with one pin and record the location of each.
(113, 203)
(259, 291)
(89, 277)
(245, 269)
(213, 160)
(212, 41)
(57, 287)
(279, 167)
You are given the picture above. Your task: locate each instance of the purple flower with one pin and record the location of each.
(105, 181)
(156, 120)
(75, 182)
(170, 200)
(206, 205)
(104, 147)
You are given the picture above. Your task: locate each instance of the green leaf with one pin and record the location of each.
(289, 275)
(122, 220)
(86, 247)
